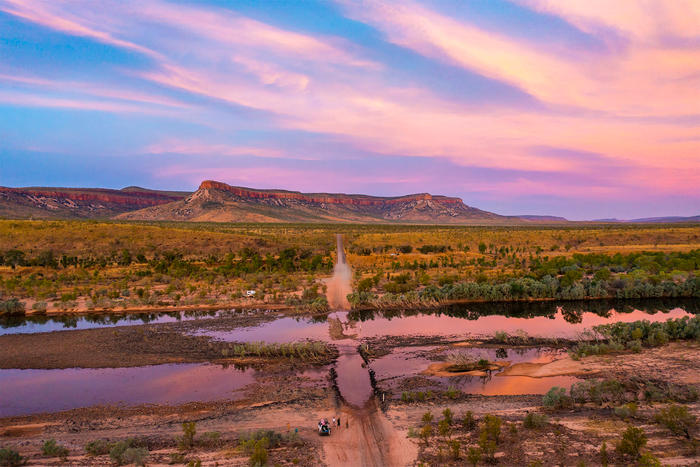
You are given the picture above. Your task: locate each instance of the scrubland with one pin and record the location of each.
(93, 265)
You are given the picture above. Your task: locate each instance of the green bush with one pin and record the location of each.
(468, 422)
(627, 410)
(117, 450)
(648, 460)
(136, 456)
(11, 307)
(535, 420)
(210, 439)
(598, 391)
(489, 437)
(186, 441)
(11, 458)
(556, 398)
(474, 455)
(678, 419)
(425, 433)
(452, 392)
(447, 415)
(632, 442)
(604, 454)
(51, 448)
(98, 447)
(455, 447)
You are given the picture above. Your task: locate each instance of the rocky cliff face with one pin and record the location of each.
(325, 198)
(43, 203)
(216, 201)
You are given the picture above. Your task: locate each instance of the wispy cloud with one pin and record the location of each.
(617, 120)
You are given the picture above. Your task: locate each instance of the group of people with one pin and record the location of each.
(324, 425)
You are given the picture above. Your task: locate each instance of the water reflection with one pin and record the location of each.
(550, 319)
(25, 392)
(35, 323)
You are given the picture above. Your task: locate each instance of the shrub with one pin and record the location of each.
(447, 414)
(11, 307)
(117, 450)
(604, 455)
(677, 419)
(632, 442)
(136, 456)
(51, 448)
(11, 458)
(648, 460)
(556, 398)
(425, 433)
(626, 411)
(256, 440)
(452, 392)
(473, 455)
(444, 428)
(535, 420)
(489, 436)
(210, 439)
(189, 430)
(454, 446)
(468, 422)
(427, 418)
(99, 447)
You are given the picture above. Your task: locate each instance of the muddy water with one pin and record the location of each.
(34, 391)
(392, 368)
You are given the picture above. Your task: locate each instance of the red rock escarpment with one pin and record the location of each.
(354, 200)
(115, 197)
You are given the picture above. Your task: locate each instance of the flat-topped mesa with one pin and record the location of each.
(101, 195)
(327, 198)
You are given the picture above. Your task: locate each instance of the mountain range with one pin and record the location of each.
(218, 202)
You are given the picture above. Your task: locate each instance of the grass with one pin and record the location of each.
(306, 350)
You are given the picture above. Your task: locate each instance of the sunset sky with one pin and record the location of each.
(579, 108)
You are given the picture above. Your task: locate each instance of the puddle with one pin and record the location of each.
(353, 379)
(406, 362)
(25, 392)
(412, 361)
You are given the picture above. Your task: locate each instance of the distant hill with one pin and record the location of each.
(654, 220)
(529, 217)
(219, 202)
(78, 203)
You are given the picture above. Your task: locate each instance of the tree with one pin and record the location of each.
(14, 258)
(632, 442)
(482, 248)
(425, 433)
(473, 455)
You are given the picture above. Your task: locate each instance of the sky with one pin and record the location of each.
(586, 109)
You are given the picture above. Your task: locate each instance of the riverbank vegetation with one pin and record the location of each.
(98, 265)
(616, 337)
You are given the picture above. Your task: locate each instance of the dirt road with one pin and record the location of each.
(370, 440)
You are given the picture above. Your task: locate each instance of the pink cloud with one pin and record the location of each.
(196, 147)
(625, 83)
